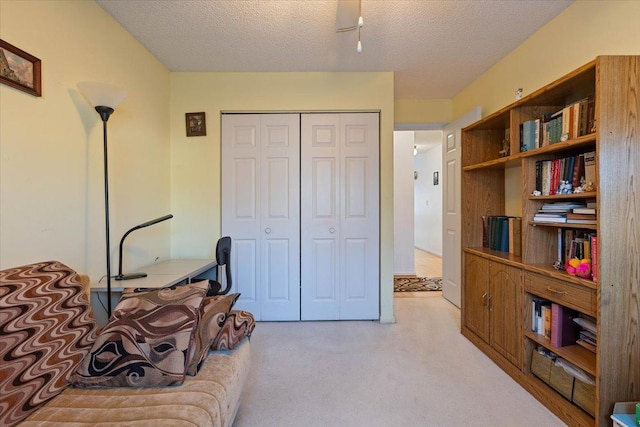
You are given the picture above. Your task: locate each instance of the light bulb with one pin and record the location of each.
(359, 48)
(360, 22)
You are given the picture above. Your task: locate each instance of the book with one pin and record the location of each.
(594, 258)
(588, 211)
(517, 236)
(546, 320)
(586, 345)
(564, 331)
(590, 168)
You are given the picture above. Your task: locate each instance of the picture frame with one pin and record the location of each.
(196, 124)
(436, 178)
(19, 69)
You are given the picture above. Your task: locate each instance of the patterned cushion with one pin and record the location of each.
(147, 340)
(47, 327)
(213, 312)
(238, 324)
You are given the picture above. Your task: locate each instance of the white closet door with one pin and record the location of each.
(260, 211)
(340, 216)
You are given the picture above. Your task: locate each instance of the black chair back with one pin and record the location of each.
(223, 258)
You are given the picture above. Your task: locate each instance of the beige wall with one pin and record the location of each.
(51, 161)
(195, 161)
(419, 111)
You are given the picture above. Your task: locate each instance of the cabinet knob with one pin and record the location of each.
(267, 230)
(332, 230)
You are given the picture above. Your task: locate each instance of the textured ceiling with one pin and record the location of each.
(435, 48)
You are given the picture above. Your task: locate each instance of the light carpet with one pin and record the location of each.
(419, 371)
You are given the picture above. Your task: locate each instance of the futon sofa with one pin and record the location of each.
(58, 368)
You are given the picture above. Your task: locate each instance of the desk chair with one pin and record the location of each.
(223, 259)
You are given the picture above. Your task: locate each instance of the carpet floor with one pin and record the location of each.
(417, 284)
(419, 371)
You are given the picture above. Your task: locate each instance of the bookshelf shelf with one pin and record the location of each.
(609, 86)
(564, 225)
(572, 196)
(581, 357)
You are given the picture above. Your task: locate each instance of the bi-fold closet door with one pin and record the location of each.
(324, 192)
(261, 211)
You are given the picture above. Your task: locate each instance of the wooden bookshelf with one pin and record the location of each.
(490, 276)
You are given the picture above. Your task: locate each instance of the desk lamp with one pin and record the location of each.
(121, 276)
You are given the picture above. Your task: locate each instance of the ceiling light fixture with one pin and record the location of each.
(349, 18)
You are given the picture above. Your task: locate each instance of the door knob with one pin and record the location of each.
(267, 230)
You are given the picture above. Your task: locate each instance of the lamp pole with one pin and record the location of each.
(105, 112)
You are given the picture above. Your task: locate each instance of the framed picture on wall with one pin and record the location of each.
(196, 124)
(19, 69)
(436, 177)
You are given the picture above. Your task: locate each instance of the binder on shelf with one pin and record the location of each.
(564, 331)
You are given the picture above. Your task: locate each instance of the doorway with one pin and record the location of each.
(418, 203)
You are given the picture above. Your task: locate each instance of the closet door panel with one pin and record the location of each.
(260, 211)
(280, 214)
(320, 231)
(359, 216)
(241, 199)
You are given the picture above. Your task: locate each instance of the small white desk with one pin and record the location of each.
(164, 274)
(159, 275)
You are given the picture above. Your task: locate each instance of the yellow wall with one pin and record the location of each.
(576, 36)
(51, 152)
(417, 111)
(195, 161)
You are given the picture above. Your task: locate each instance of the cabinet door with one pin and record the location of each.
(476, 295)
(505, 311)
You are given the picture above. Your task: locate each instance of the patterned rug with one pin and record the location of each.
(417, 284)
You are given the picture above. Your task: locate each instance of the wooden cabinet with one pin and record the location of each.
(492, 305)
(498, 287)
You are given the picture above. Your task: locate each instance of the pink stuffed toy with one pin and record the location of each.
(579, 267)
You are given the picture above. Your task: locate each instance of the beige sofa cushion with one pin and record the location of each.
(211, 398)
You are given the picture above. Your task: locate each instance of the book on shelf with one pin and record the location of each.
(561, 176)
(502, 233)
(585, 211)
(590, 167)
(587, 345)
(594, 258)
(564, 331)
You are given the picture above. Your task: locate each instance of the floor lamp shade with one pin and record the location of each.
(102, 94)
(104, 98)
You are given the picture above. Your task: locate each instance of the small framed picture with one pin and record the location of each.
(436, 177)
(20, 70)
(196, 124)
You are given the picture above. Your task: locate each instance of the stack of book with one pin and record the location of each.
(556, 211)
(562, 176)
(584, 215)
(587, 337)
(554, 321)
(570, 122)
(502, 233)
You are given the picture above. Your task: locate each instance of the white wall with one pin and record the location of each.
(428, 201)
(403, 256)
